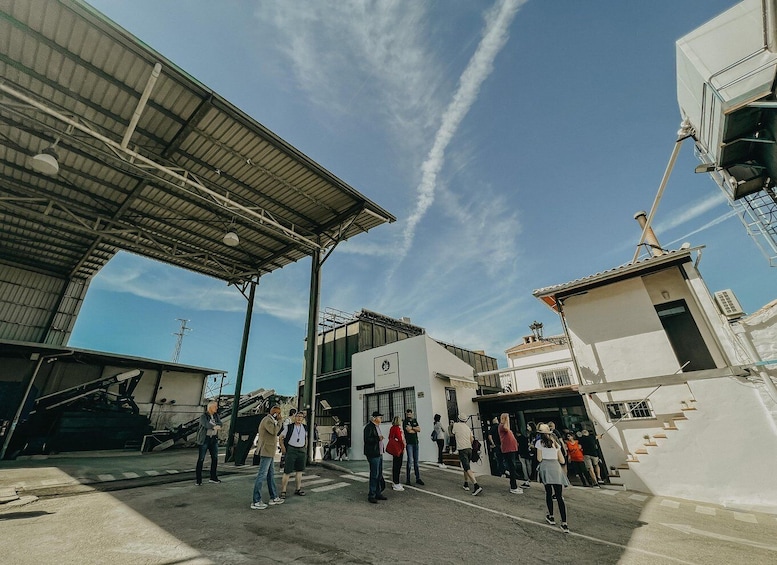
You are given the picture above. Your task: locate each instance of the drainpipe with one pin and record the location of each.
(770, 24)
(752, 352)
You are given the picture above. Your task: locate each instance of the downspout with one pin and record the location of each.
(770, 24)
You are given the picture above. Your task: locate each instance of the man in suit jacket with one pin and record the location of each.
(373, 450)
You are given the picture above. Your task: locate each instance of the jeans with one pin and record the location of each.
(526, 466)
(376, 474)
(211, 444)
(440, 449)
(412, 455)
(266, 471)
(509, 458)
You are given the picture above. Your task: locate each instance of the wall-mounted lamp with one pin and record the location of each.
(665, 294)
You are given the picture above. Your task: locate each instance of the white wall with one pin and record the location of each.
(420, 358)
(535, 361)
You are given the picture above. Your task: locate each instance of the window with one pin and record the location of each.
(555, 378)
(629, 410)
(391, 403)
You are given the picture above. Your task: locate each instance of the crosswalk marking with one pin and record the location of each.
(152, 473)
(171, 471)
(607, 491)
(670, 503)
(742, 517)
(638, 497)
(106, 477)
(355, 478)
(318, 482)
(131, 475)
(330, 487)
(705, 510)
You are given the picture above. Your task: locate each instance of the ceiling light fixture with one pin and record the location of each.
(231, 239)
(46, 162)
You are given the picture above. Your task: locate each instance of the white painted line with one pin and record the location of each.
(670, 503)
(364, 473)
(607, 491)
(131, 475)
(330, 487)
(106, 477)
(705, 510)
(638, 497)
(48, 482)
(152, 473)
(749, 518)
(171, 471)
(357, 478)
(625, 548)
(316, 482)
(690, 530)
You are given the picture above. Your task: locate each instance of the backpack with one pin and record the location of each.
(475, 451)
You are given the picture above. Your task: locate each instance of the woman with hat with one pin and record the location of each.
(551, 474)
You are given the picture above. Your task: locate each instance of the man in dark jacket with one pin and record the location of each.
(373, 450)
(208, 441)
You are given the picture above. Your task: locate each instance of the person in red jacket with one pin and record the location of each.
(575, 456)
(396, 447)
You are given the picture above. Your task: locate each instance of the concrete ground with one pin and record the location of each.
(145, 509)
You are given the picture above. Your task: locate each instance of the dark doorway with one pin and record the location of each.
(684, 336)
(452, 405)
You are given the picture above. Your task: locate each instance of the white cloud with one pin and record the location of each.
(706, 226)
(688, 213)
(495, 35)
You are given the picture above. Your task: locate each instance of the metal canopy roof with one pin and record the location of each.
(167, 183)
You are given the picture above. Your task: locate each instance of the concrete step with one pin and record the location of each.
(659, 436)
(641, 452)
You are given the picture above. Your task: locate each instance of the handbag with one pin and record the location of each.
(394, 448)
(434, 435)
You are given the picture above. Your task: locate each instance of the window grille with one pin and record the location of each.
(629, 410)
(555, 378)
(391, 403)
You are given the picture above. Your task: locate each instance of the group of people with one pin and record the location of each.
(289, 435)
(403, 437)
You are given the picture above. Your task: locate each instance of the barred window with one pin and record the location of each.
(555, 378)
(629, 410)
(391, 403)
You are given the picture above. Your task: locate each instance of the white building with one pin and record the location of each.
(416, 373)
(672, 383)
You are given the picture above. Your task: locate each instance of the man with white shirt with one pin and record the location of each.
(293, 446)
(464, 439)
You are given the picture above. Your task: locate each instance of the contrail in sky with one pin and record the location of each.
(495, 36)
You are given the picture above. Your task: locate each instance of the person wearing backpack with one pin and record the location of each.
(464, 445)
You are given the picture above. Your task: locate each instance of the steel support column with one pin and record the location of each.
(309, 392)
(240, 368)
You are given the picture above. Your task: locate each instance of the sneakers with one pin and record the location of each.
(516, 491)
(441, 465)
(217, 481)
(466, 486)
(419, 482)
(550, 519)
(258, 506)
(601, 482)
(276, 500)
(526, 484)
(397, 486)
(564, 527)
(198, 484)
(478, 490)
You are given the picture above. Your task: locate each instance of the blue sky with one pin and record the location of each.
(512, 140)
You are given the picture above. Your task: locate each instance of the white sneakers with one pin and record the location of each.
(258, 506)
(397, 486)
(516, 491)
(277, 500)
(441, 465)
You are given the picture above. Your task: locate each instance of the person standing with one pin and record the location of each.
(341, 431)
(525, 457)
(396, 447)
(208, 441)
(287, 421)
(412, 429)
(266, 445)
(464, 439)
(590, 445)
(576, 460)
(494, 444)
(373, 451)
(509, 446)
(293, 446)
(552, 475)
(439, 438)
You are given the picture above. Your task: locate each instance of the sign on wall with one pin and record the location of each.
(387, 371)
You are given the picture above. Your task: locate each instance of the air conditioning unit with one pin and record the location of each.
(728, 304)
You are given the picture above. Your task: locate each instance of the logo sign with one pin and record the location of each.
(387, 371)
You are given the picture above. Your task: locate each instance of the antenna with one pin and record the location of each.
(181, 333)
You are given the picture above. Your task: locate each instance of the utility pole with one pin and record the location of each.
(181, 333)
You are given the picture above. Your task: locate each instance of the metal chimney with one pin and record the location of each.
(650, 236)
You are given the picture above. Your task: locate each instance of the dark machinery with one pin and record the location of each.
(88, 416)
